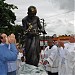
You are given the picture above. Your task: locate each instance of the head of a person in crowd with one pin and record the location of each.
(13, 35)
(60, 43)
(11, 38)
(32, 11)
(72, 39)
(17, 45)
(50, 42)
(55, 42)
(3, 38)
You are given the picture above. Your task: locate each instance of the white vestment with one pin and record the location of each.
(70, 58)
(51, 55)
(62, 66)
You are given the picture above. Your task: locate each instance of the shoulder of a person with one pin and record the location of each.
(54, 46)
(61, 48)
(47, 47)
(3, 46)
(24, 18)
(12, 45)
(37, 17)
(66, 44)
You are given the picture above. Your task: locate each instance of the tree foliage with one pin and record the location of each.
(7, 21)
(7, 16)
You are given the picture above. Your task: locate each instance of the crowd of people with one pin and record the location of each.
(59, 58)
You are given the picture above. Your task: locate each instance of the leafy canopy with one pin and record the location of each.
(7, 16)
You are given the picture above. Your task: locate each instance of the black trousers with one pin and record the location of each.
(49, 73)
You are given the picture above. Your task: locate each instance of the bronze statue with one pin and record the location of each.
(31, 26)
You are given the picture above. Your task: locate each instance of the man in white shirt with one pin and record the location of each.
(51, 58)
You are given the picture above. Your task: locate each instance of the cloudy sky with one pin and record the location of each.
(58, 14)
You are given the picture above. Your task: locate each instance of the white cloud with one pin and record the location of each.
(65, 4)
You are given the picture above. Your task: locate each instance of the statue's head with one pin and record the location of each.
(32, 10)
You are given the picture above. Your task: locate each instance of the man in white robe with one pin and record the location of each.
(70, 56)
(62, 65)
(51, 59)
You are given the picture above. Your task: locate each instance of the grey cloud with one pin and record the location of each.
(47, 9)
(65, 4)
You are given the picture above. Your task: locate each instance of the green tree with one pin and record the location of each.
(7, 16)
(19, 33)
